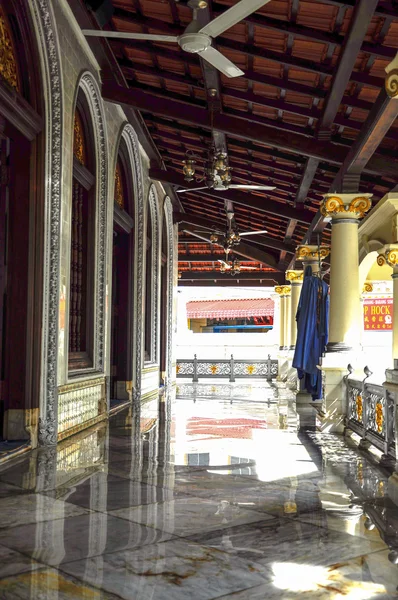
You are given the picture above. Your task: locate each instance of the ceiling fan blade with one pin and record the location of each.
(221, 62)
(249, 268)
(252, 232)
(234, 186)
(222, 262)
(125, 35)
(191, 189)
(232, 16)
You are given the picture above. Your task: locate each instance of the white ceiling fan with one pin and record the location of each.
(196, 39)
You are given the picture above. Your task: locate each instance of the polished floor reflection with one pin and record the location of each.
(216, 494)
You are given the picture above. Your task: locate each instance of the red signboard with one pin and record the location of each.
(377, 314)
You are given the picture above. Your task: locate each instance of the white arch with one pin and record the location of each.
(51, 80)
(130, 138)
(87, 84)
(153, 208)
(168, 216)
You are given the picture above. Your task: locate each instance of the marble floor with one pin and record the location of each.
(217, 493)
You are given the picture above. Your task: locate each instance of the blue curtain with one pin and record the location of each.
(312, 332)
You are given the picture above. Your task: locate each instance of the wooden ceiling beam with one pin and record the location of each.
(248, 49)
(383, 114)
(218, 276)
(361, 19)
(235, 282)
(232, 126)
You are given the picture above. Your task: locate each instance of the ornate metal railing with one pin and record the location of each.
(371, 412)
(231, 369)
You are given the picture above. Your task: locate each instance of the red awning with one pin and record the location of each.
(230, 309)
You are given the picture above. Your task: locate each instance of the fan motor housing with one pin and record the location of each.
(194, 42)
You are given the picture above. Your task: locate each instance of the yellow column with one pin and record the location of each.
(296, 281)
(282, 291)
(345, 211)
(287, 317)
(390, 256)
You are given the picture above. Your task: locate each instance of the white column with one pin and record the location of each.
(345, 211)
(296, 281)
(282, 291)
(287, 317)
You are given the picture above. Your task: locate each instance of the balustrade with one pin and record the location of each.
(232, 369)
(371, 413)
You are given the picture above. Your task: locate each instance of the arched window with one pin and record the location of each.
(81, 295)
(121, 352)
(148, 288)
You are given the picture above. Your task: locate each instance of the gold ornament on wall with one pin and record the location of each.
(79, 149)
(119, 196)
(334, 205)
(367, 287)
(8, 63)
(391, 84)
(392, 257)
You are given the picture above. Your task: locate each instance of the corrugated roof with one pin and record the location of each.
(230, 309)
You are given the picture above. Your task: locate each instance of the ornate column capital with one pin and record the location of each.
(367, 287)
(347, 207)
(295, 277)
(312, 253)
(283, 290)
(389, 256)
(391, 82)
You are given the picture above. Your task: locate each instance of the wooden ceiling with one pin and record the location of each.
(310, 115)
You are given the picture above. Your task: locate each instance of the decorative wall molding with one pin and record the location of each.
(153, 207)
(47, 42)
(89, 86)
(168, 215)
(131, 140)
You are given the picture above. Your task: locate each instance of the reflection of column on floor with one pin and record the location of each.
(345, 212)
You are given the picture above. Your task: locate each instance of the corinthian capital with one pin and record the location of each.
(312, 253)
(295, 276)
(283, 290)
(389, 255)
(345, 206)
(391, 82)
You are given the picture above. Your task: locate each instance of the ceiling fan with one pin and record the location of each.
(231, 237)
(217, 174)
(196, 39)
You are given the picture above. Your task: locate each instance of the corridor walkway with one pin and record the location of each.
(214, 495)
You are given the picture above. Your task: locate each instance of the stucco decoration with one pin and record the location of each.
(51, 81)
(131, 140)
(168, 215)
(89, 86)
(153, 207)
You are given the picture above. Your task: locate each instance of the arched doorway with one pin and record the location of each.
(21, 225)
(122, 279)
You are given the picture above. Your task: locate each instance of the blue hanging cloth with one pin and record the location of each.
(312, 332)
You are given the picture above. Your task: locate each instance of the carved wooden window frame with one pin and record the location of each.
(83, 176)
